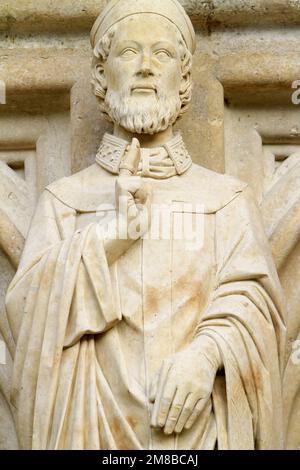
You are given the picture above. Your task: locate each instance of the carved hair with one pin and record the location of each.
(100, 56)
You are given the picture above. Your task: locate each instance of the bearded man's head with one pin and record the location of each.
(142, 64)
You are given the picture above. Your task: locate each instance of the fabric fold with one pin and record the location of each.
(80, 368)
(245, 319)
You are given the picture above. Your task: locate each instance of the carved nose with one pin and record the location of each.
(146, 69)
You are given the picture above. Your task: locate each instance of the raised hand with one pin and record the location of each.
(133, 203)
(133, 195)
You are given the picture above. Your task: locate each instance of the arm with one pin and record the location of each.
(64, 289)
(53, 242)
(52, 239)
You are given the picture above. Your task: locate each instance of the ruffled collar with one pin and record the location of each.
(160, 163)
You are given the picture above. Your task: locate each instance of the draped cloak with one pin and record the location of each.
(91, 335)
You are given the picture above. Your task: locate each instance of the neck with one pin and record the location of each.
(146, 140)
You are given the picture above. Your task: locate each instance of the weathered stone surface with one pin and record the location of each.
(69, 15)
(241, 121)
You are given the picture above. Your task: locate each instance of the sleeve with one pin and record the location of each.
(245, 318)
(51, 236)
(62, 291)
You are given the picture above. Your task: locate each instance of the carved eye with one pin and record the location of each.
(163, 54)
(128, 53)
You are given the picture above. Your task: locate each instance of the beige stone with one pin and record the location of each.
(241, 122)
(89, 284)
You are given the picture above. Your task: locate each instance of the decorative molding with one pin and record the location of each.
(78, 16)
(243, 12)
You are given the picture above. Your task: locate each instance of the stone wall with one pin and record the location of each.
(242, 122)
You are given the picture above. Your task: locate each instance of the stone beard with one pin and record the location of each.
(142, 116)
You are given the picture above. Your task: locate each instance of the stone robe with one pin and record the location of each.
(90, 336)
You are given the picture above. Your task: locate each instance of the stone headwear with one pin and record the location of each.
(117, 10)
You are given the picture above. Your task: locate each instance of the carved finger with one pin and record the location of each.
(163, 375)
(125, 189)
(175, 411)
(144, 193)
(166, 401)
(127, 184)
(186, 413)
(196, 413)
(130, 163)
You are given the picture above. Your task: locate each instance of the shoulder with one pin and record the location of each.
(85, 190)
(216, 190)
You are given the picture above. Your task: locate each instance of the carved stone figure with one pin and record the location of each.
(146, 339)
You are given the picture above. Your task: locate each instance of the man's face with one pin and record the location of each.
(143, 74)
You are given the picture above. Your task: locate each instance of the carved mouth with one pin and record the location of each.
(144, 88)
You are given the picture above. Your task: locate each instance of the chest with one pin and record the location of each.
(173, 265)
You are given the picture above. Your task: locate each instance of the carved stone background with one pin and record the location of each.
(242, 122)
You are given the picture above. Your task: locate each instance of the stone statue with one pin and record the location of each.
(134, 338)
